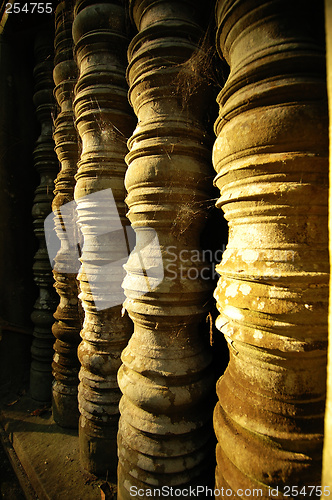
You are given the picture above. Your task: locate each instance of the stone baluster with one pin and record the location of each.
(271, 158)
(327, 460)
(104, 122)
(166, 380)
(67, 327)
(46, 164)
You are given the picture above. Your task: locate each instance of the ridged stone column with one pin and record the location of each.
(165, 425)
(271, 156)
(327, 462)
(104, 122)
(67, 327)
(47, 166)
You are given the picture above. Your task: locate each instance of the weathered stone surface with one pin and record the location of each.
(271, 158)
(166, 378)
(67, 327)
(46, 164)
(104, 122)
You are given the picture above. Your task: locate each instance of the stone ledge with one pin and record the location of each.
(45, 457)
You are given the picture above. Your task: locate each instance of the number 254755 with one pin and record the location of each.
(40, 8)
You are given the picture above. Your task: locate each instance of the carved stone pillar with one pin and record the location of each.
(67, 327)
(165, 425)
(104, 122)
(271, 159)
(46, 164)
(327, 465)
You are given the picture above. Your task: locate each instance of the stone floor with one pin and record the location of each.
(44, 456)
(10, 488)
